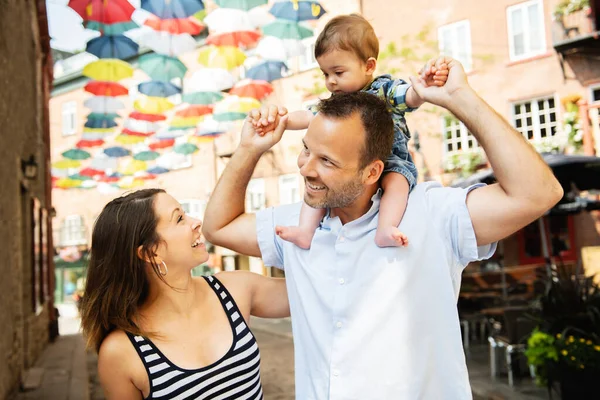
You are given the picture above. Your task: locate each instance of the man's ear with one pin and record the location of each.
(371, 65)
(372, 172)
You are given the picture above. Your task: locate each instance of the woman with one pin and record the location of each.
(161, 333)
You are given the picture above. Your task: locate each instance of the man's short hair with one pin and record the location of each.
(375, 118)
(348, 33)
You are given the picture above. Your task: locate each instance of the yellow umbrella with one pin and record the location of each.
(132, 166)
(67, 183)
(129, 139)
(236, 104)
(153, 105)
(129, 182)
(180, 122)
(66, 164)
(201, 139)
(225, 57)
(98, 130)
(108, 69)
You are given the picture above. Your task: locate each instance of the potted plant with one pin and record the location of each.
(565, 348)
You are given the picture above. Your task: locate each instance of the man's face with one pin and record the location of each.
(330, 161)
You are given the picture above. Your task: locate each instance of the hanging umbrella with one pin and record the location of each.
(166, 43)
(84, 144)
(185, 123)
(139, 125)
(93, 115)
(162, 68)
(157, 170)
(175, 26)
(106, 12)
(158, 89)
(210, 80)
(144, 175)
(146, 155)
(240, 4)
(97, 133)
(272, 48)
(129, 182)
(116, 152)
(147, 117)
(267, 71)
(229, 116)
(165, 9)
(250, 88)
(118, 28)
(304, 10)
(194, 111)
(66, 183)
(76, 154)
(132, 166)
(153, 105)
(91, 172)
(242, 39)
(237, 104)
(228, 20)
(225, 57)
(172, 133)
(202, 98)
(79, 177)
(110, 178)
(161, 144)
(108, 70)
(104, 104)
(286, 30)
(129, 132)
(129, 140)
(66, 164)
(119, 46)
(101, 88)
(100, 123)
(185, 148)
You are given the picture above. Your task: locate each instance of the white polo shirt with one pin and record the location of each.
(378, 323)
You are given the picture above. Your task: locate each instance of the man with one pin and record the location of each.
(369, 322)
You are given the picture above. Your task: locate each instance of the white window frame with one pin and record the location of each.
(467, 141)
(509, 20)
(537, 125)
(72, 231)
(591, 92)
(459, 44)
(307, 60)
(255, 195)
(289, 189)
(193, 207)
(69, 118)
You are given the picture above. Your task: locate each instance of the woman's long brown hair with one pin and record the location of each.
(117, 284)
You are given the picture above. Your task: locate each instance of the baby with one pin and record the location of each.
(347, 51)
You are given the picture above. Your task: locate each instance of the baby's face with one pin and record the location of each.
(344, 71)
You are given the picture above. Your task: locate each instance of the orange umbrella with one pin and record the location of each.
(194, 110)
(237, 38)
(161, 144)
(147, 117)
(252, 88)
(175, 26)
(105, 88)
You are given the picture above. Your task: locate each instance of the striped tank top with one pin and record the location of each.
(235, 376)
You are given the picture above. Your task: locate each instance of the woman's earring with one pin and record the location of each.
(166, 269)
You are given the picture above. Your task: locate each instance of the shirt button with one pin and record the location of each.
(335, 372)
(341, 281)
(338, 324)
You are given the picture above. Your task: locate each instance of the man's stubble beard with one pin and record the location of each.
(342, 197)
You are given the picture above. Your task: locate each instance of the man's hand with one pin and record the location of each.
(427, 84)
(276, 122)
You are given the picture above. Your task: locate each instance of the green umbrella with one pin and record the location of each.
(283, 29)
(147, 155)
(185, 148)
(76, 154)
(111, 29)
(162, 68)
(229, 116)
(93, 116)
(77, 177)
(181, 128)
(240, 4)
(202, 98)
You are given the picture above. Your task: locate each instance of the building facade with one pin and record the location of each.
(27, 319)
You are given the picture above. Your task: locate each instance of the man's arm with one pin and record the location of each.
(226, 223)
(526, 187)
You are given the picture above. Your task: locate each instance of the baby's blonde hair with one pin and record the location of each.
(348, 33)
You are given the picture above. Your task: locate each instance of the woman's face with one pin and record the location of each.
(182, 244)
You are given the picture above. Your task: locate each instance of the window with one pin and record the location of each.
(255, 195)
(526, 35)
(72, 231)
(595, 94)
(456, 136)
(69, 118)
(560, 234)
(193, 207)
(308, 60)
(535, 119)
(288, 189)
(455, 41)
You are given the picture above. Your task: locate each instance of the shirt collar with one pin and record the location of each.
(334, 224)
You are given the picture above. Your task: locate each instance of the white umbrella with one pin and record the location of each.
(210, 80)
(166, 43)
(260, 16)
(228, 20)
(272, 48)
(138, 125)
(104, 104)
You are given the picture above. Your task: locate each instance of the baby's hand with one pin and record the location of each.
(263, 121)
(435, 73)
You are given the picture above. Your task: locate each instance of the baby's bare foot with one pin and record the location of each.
(390, 237)
(295, 234)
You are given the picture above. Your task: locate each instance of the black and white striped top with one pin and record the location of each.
(235, 376)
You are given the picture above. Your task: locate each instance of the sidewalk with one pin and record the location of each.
(61, 372)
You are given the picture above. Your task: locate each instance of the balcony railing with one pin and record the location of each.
(573, 27)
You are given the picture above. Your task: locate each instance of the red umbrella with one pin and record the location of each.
(134, 133)
(104, 178)
(103, 11)
(102, 88)
(175, 26)
(91, 172)
(237, 38)
(194, 110)
(147, 117)
(162, 144)
(251, 88)
(82, 144)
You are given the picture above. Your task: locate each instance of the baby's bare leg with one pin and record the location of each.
(302, 234)
(391, 209)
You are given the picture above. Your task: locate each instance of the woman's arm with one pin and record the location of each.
(114, 368)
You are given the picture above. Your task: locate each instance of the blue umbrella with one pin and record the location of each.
(100, 123)
(303, 10)
(158, 88)
(267, 71)
(157, 170)
(173, 8)
(118, 46)
(116, 151)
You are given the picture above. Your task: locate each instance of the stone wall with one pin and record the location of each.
(23, 330)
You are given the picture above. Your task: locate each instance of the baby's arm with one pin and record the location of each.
(432, 76)
(296, 120)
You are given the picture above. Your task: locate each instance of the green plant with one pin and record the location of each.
(465, 162)
(567, 7)
(570, 124)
